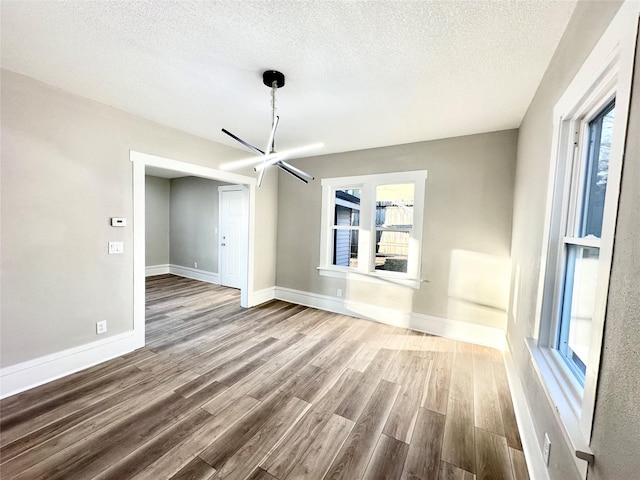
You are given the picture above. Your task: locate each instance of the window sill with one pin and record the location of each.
(369, 277)
(566, 402)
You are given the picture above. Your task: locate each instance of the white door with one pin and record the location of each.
(232, 222)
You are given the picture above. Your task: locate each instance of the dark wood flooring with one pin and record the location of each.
(279, 392)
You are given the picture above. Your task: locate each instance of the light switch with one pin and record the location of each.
(116, 247)
(118, 221)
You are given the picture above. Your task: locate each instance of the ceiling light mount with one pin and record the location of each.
(270, 76)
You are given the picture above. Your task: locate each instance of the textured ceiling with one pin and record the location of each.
(358, 74)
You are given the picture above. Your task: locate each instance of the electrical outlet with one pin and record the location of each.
(546, 449)
(101, 327)
(195, 264)
(339, 293)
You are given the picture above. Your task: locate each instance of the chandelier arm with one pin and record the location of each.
(248, 145)
(296, 170)
(281, 166)
(260, 177)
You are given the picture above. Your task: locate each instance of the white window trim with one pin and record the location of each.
(362, 273)
(606, 72)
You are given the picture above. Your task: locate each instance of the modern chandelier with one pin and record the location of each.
(269, 157)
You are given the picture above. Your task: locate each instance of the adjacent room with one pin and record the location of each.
(276, 240)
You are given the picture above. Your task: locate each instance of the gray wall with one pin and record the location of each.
(468, 206)
(616, 428)
(65, 172)
(585, 28)
(194, 219)
(157, 200)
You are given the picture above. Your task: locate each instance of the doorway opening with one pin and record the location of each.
(244, 187)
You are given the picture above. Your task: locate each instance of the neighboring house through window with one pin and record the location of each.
(346, 226)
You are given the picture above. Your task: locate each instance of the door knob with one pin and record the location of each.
(223, 244)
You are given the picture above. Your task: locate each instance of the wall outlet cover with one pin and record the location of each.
(546, 449)
(101, 327)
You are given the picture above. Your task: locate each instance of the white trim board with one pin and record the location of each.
(262, 296)
(32, 373)
(528, 437)
(195, 274)
(181, 271)
(153, 270)
(443, 327)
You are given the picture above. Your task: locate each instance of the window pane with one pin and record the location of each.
(600, 134)
(577, 306)
(394, 205)
(392, 250)
(345, 248)
(347, 207)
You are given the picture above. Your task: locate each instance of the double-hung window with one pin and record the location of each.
(579, 240)
(576, 295)
(590, 123)
(372, 226)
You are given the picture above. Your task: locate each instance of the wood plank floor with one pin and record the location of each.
(277, 392)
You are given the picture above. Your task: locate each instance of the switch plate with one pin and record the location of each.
(546, 449)
(339, 293)
(101, 327)
(116, 247)
(118, 222)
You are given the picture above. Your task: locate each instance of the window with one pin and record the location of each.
(590, 124)
(581, 241)
(576, 274)
(372, 226)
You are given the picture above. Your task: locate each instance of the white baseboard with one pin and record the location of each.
(181, 271)
(32, 373)
(194, 274)
(528, 437)
(152, 270)
(262, 296)
(443, 327)
(26, 375)
(23, 376)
